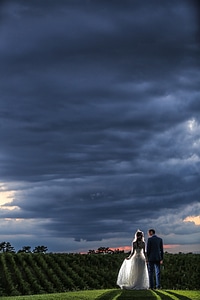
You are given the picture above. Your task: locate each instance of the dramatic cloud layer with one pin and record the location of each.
(100, 123)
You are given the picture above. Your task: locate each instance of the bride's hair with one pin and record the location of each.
(139, 236)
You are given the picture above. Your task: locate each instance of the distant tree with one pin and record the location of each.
(3, 247)
(40, 249)
(9, 248)
(6, 247)
(118, 251)
(104, 250)
(91, 252)
(25, 249)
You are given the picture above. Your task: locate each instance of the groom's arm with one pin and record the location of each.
(161, 250)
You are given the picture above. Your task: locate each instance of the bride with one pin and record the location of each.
(133, 273)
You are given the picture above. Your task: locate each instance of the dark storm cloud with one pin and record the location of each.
(100, 117)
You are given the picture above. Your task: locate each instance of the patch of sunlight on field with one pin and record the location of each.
(184, 295)
(76, 295)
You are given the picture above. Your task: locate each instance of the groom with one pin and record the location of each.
(154, 257)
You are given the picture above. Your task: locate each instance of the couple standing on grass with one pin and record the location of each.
(137, 270)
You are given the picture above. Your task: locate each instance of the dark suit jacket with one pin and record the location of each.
(154, 248)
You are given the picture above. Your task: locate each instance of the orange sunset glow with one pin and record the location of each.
(195, 219)
(128, 248)
(5, 198)
(124, 248)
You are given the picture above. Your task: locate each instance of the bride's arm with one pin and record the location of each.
(145, 254)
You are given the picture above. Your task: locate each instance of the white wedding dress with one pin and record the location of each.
(133, 273)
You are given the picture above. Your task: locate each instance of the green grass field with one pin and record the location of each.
(114, 294)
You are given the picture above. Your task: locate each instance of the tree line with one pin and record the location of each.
(105, 250)
(6, 247)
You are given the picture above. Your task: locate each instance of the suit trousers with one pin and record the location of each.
(154, 266)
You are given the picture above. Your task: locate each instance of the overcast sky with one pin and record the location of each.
(99, 123)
